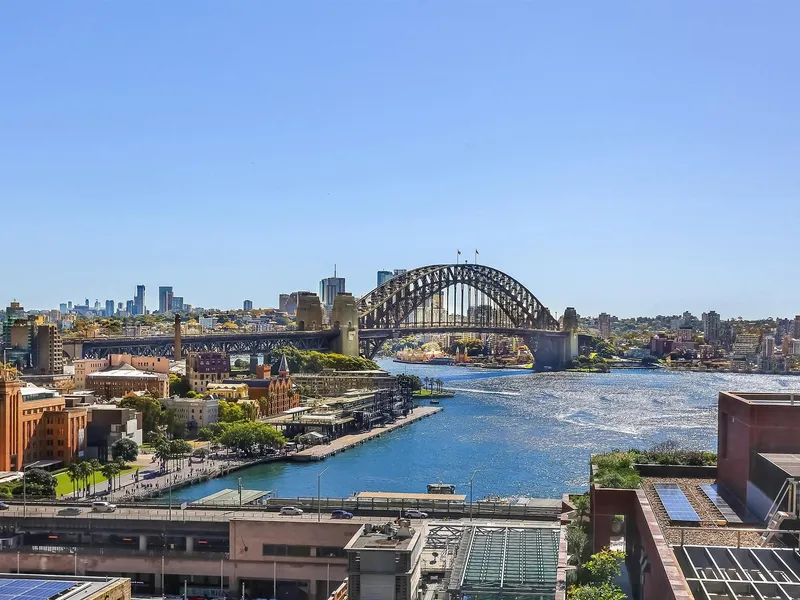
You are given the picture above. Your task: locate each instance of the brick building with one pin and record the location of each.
(278, 391)
(36, 425)
(115, 382)
(203, 368)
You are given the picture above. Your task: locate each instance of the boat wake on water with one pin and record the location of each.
(492, 392)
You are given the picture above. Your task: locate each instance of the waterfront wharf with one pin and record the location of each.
(346, 442)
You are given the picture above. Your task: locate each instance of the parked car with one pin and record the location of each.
(291, 510)
(341, 514)
(413, 513)
(102, 506)
(69, 511)
(4, 506)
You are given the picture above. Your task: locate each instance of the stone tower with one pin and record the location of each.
(176, 355)
(309, 312)
(345, 318)
(10, 421)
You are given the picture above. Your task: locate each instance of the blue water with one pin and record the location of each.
(525, 433)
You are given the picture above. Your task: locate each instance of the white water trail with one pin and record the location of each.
(452, 389)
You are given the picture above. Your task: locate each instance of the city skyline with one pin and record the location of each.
(611, 158)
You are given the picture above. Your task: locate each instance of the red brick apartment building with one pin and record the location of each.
(711, 534)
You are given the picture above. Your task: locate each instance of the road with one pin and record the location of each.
(195, 515)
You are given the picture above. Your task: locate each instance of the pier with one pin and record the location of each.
(351, 441)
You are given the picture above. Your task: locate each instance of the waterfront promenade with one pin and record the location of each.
(341, 444)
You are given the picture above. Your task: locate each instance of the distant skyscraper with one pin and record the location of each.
(176, 304)
(164, 298)
(69, 305)
(139, 306)
(329, 288)
(711, 327)
(796, 327)
(400, 272)
(604, 324)
(63, 308)
(120, 306)
(109, 308)
(130, 307)
(383, 277)
(768, 346)
(247, 305)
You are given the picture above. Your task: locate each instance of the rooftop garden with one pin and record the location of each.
(617, 469)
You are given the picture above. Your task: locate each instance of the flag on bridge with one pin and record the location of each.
(459, 252)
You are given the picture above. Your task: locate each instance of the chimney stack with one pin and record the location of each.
(176, 355)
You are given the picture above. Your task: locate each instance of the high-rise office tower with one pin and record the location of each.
(247, 305)
(383, 277)
(329, 288)
(139, 306)
(164, 298)
(109, 308)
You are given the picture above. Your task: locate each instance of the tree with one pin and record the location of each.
(126, 449)
(85, 470)
(40, 482)
(250, 438)
(74, 474)
(174, 425)
(412, 381)
(109, 470)
(178, 386)
(241, 363)
(150, 408)
(605, 565)
(263, 406)
(95, 468)
(179, 449)
(200, 453)
(605, 591)
(229, 412)
(250, 411)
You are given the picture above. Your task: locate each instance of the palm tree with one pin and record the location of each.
(85, 471)
(162, 453)
(95, 468)
(74, 474)
(109, 470)
(427, 381)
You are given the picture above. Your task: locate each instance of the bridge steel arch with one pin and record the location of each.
(390, 304)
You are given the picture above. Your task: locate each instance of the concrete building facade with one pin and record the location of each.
(195, 412)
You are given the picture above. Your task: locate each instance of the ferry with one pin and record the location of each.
(441, 488)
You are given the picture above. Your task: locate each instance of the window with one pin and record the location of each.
(284, 550)
(331, 551)
(60, 442)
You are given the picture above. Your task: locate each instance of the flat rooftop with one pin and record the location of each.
(766, 398)
(788, 463)
(372, 537)
(50, 587)
(712, 527)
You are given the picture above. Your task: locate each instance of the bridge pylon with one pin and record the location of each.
(344, 318)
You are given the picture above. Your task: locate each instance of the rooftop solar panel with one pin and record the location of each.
(710, 490)
(676, 503)
(32, 589)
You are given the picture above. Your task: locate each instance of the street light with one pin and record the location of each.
(475, 472)
(319, 495)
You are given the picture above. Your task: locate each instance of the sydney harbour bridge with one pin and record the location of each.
(445, 298)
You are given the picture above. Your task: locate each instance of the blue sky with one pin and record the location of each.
(630, 157)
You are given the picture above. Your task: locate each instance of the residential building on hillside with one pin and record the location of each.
(203, 368)
(711, 327)
(247, 305)
(604, 325)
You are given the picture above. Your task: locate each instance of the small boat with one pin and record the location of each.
(434, 401)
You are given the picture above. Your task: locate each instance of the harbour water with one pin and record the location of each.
(525, 433)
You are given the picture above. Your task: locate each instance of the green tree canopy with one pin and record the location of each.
(229, 412)
(412, 380)
(311, 361)
(150, 408)
(40, 482)
(605, 591)
(126, 449)
(251, 437)
(178, 386)
(241, 363)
